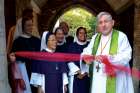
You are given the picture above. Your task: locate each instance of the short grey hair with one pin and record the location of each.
(104, 13)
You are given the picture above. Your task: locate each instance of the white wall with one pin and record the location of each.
(4, 87)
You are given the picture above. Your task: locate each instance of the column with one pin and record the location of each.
(136, 47)
(4, 86)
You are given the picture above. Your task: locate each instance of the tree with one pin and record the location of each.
(77, 17)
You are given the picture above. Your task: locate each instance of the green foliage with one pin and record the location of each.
(77, 17)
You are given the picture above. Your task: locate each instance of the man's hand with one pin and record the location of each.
(88, 59)
(99, 58)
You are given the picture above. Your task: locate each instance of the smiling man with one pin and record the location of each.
(115, 46)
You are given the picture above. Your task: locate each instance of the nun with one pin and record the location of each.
(61, 42)
(49, 77)
(79, 82)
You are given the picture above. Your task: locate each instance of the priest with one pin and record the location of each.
(115, 46)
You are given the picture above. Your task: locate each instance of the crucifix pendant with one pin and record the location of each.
(98, 68)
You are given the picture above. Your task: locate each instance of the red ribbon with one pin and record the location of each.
(110, 69)
(55, 57)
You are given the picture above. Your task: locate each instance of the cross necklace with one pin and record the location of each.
(102, 48)
(98, 67)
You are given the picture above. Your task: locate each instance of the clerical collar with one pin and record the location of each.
(107, 35)
(49, 50)
(25, 36)
(81, 43)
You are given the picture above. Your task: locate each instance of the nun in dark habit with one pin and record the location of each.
(79, 82)
(61, 42)
(49, 77)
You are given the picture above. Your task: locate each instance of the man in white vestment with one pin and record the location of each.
(115, 46)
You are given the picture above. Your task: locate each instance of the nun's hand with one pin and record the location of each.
(65, 89)
(78, 72)
(40, 90)
(22, 84)
(81, 76)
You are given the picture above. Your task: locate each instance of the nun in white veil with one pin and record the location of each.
(38, 80)
(78, 81)
(50, 76)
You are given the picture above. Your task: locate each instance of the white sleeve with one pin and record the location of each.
(73, 68)
(84, 67)
(124, 51)
(87, 51)
(37, 79)
(65, 79)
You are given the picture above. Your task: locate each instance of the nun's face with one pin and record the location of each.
(60, 35)
(52, 43)
(81, 35)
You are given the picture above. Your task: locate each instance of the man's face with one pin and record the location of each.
(60, 35)
(28, 27)
(105, 25)
(65, 27)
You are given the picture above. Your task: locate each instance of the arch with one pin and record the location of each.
(77, 6)
(60, 13)
(51, 14)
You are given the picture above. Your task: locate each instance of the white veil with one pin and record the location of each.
(40, 77)
(43, 40)
(76, 40)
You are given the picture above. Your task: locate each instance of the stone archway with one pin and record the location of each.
(77, 16)
(68, 8)
(52, 11)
